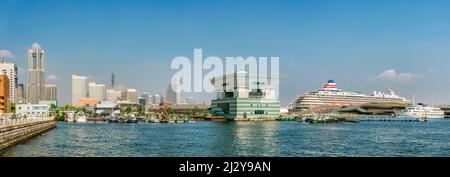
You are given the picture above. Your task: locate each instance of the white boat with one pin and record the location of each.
(421, 111)
(81, 117)
(70, 117)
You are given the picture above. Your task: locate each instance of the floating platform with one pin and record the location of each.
(397, 119)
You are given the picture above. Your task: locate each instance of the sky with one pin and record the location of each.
(363, 45)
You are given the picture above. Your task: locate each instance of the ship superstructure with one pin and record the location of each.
(330, 95)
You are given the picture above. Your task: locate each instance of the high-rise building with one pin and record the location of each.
(156, 99)
(148, 97)
(36, 76)
(113, 81)
(79, 88)
(132, 95)
(21, 93)
(143, 102)
(51, 92)
(10, 70)
(97, 91)
(113, 95)
(5, 102)
(173, 93)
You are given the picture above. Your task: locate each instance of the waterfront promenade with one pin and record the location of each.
(14, 131)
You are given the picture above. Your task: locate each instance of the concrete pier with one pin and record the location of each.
(16, 131)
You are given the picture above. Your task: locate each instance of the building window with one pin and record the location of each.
(259, 111)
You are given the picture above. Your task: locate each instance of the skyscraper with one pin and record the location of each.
(36, 76)
(156, 99)
(51, 93)
(113, 95)
(10, 70)
(97, 91)
(113, 81)
(132, 95)
(173, 93)
(79, 88)
(21, 94)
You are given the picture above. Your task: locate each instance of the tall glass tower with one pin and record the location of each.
(36, 76)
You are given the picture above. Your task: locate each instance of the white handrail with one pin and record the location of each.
(4, 122)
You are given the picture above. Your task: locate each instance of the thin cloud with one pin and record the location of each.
(392, 75)
(51, 77)
(6, 54)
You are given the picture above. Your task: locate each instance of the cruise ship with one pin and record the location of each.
(422, 111)
(330, 95)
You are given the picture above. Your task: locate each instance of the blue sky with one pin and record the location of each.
(364, 45)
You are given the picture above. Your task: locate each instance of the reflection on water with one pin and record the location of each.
(241, 139)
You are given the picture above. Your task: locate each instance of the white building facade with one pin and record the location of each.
(97, 91)
(51, 92)
(10, 70)
(132, 95)
(32, 110)
(113, 95)
(80, 88)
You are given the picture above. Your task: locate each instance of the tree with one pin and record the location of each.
(170, 110)
(128, 110)
(13, 107)
(53, 106)
(141, 110)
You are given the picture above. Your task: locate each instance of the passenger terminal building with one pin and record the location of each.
(243, 97)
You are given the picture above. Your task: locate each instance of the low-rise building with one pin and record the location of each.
(32, 110)
(240, 98)
(88, 102)
(106, 108)
(49, 102)
(128, 105)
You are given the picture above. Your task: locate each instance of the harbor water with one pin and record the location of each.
(217, 139)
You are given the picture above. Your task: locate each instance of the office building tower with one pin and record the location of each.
(36, 76)
(79, 88)
(97, 91)
(132, 95)
(156, 99)
(21, 98)
(113, 95)
(173, 94)
(150, 99)
(51, 92)
(10, 70)
(143, 103)
(113, 81)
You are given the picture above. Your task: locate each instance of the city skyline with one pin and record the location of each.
(362, 46)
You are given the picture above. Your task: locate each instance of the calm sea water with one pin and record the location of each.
(241, 139)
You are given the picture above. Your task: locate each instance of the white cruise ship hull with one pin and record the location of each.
(428, 116)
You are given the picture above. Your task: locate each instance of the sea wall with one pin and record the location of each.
(19, 131)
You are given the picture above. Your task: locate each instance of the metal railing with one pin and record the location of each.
(5, 122)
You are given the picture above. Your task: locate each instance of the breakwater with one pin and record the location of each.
(14, 131)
